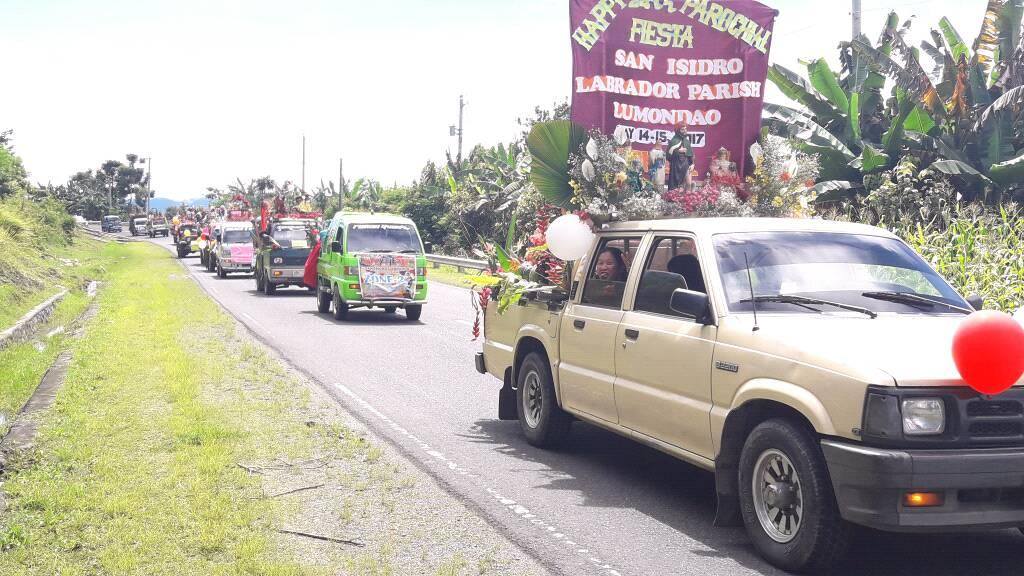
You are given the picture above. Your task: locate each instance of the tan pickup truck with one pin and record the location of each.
(806, 363)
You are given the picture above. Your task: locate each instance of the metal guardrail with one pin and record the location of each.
(460, 264)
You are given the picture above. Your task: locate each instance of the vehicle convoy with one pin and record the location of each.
(372, 261)
(187, 239)
(157, 226)
(281, 251)
(806, 363)
(137, 225)
(110, 223)
(231, 248)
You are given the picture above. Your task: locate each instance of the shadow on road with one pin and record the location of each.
(367, 318)
(607, 470)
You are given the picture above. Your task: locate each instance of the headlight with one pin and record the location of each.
(923, 416)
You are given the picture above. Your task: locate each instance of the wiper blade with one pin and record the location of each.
(913, 299)
(804, 301)
(410, 251)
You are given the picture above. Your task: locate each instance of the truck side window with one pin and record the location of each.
(606, 280)
(671, 264)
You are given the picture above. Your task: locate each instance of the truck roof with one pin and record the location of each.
(368, 218)
(709, 226)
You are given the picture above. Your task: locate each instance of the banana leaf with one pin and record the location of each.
(916, 83)
(892, 140)
(986, 45)
(936, 145)
(1008, 23)
(871, 160)
(854, 115)
(805, 128)
(824, 81)
(835, 190)
(797, 89)
(1012, 101)
(957, 47)
(1009, 172)
(958, 168)
(550, 144)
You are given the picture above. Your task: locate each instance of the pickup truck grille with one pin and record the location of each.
(995, 420)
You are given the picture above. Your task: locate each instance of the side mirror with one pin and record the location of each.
(976, 302)
(428, 248)
(691, 304)
(336, 247)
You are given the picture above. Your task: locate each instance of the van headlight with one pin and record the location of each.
(923, 416)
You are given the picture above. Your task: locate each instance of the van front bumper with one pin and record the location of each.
(983, 488)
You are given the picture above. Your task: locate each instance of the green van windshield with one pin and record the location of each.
(398, 238)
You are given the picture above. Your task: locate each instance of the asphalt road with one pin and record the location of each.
(599, 505)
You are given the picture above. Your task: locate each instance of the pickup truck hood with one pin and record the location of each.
(916, 350)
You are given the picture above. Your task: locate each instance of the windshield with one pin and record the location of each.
(383, 238)
(830, 266)
(292, 237)
(111, 219)
(235, 237)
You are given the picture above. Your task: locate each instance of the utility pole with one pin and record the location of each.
(453, 131)
(341, 182)
(303, 163)
(856, 19)
(462, 106)
(149, 183)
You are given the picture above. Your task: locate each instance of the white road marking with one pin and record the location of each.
(517, 509)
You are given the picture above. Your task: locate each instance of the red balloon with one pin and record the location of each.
(988, 349)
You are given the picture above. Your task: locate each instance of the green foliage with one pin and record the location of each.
(550, 145)
(13, 177)
(979, 252)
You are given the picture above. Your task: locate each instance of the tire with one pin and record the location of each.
(389, 309)
(821, 536)
(323, 301)
(412, 313)
(541, 419)
(340, 308)
(220, 271)
(269, 288)
(259, 280)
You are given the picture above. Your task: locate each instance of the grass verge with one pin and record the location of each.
(451, 275)
(135, 470)
(22, 365)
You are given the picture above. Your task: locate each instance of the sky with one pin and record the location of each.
(214, 90)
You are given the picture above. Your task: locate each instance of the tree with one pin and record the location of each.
(13, 177)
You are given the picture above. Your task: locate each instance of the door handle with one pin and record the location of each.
(579, 324)
(632, 334)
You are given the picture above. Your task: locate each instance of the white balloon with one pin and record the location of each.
(569, 238)
(1019, 315)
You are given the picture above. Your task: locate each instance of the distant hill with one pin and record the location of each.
(163, 204)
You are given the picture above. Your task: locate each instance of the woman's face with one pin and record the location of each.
(606, 268)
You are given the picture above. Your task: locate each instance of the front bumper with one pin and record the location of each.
(286, 275)
(983, 487)
(383, 303)
(229, 266)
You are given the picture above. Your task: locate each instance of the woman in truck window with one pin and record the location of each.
(610, 265)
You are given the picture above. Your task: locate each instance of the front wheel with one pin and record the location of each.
(259, 280)
(220, 271)
(269, 288)
(787, 501)
(541, 419)
(412, 313)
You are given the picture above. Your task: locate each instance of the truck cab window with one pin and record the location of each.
(609, 269)
(672, 264)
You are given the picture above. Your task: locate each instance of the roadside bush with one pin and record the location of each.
(979, 251)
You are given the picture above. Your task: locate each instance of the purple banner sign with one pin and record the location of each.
(641, 67)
